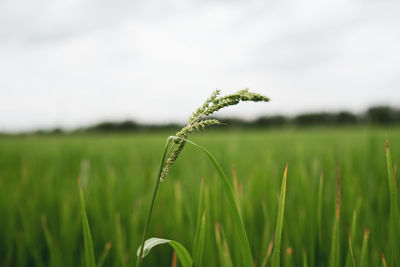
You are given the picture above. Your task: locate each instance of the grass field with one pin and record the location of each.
(40, 221)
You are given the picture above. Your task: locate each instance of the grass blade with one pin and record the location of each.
(334, 254)
(279, 222)
(394, 216)
(87, 236)
(199, 242)
(269, 251)
(54, 253)
(222, 246)
(104, 254)
(305, 258)
(200, 211)
(395, 175)
(364, 250)
(120, 241)
(237, 189)
(383, 260)
(233, 208)
(183, 255)
(352, 234)
(288, 257)
(319, 211)
(351, 254)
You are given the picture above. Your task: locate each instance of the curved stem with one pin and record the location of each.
(153, 197)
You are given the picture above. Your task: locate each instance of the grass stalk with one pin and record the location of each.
(153, 197)
(319, 210)
(352, 234)
(383, 260)
(305, 258)
(334, 254)
(104, 254)
(52, 247)
(198, 250)
(276, 256)
(222, 246)
(364, 250)
(198, 244)
(269, 251)
(394, 210)
(87, 236)
(351, 254)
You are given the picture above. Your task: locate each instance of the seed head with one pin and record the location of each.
(198, 119)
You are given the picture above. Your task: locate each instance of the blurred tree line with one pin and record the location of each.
(375, 115)
(379, 115)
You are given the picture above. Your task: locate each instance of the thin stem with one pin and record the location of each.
(153, 197)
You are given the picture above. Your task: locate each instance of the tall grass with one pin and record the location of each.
(39, 201)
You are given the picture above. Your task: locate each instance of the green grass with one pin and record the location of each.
(41, 223)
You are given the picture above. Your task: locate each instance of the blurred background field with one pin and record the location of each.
(40, 221)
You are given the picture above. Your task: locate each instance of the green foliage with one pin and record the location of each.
(38, 176)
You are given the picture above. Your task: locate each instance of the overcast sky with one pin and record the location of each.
(75, 62)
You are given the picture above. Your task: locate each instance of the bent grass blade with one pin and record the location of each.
(182, 253)
(233, 207)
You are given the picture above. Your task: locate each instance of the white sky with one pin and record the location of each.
(75, 62)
